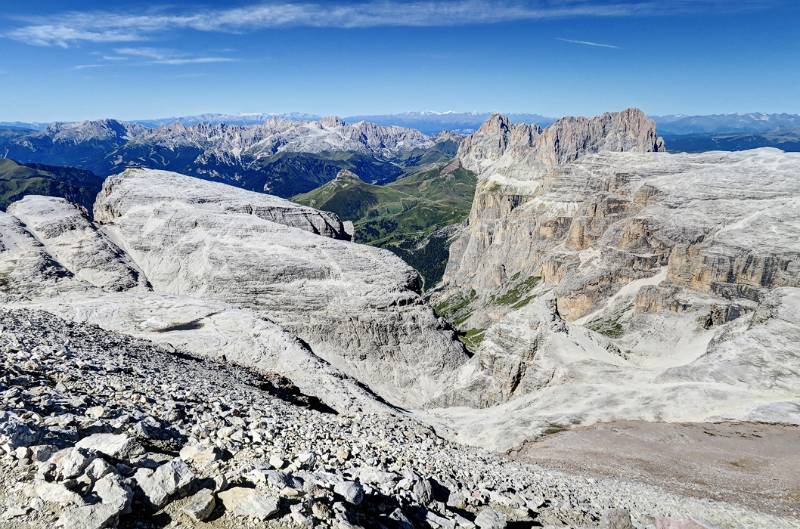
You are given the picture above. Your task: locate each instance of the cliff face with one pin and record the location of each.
(598, 272)
(521, 173)
(564, 141)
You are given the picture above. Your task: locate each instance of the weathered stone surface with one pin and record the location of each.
(199, 454)
(76, 243)
(210, 402)
(490, 519)
(600, 282)
(55, 493)
(200, 505)
(119, 446)
(356, 306)
(112, 491)
(204, 327)
(71, 462)
(351, 491)
(14, 431)
(89, 517)
(168, 481)
(242, 501)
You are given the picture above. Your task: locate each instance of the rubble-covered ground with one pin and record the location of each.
(103, 430)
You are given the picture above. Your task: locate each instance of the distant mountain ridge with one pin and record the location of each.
(434, 122)
(431, 122)
(281, 156)
(17, 181)
(727, 123)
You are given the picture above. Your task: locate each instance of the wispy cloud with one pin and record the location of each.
(590, 43)
(167, 56)
(87, 66)
(70, 28)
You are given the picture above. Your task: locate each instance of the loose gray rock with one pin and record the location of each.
(71, 462)
(199, 454)
(55, 493)
(15, 432)
(351, 491)
(423, 491)
(241, 501)
(490, 519)
(200, 506)
(112, 491)
(96, 516)
(159, 487)
(118, 446)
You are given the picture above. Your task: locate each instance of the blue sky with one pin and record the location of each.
(128, 59)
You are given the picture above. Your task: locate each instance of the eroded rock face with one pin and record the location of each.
(356, 306)
(242, 277)
(722, 223)
(135, 187)
(564, 141)
(595, 283)
(76, 244)
(24, 263)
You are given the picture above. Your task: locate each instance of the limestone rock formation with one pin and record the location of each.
(144, 186)
(36, 275)
(500, 143)
(356, 306)
(238, 275)
(595, 284)
(359, 470)
(75, 243)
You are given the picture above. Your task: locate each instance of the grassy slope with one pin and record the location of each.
(17, 180)
(402, 216)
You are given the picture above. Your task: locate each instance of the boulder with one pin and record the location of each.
(351, 491)
(490, 519)
(241, 501)
(55, 493)
(14, 430)
(71, 462)
(112, 491)
(169, 480)
(199, 454)
(118, 446)
(96, 516)
(200, 506)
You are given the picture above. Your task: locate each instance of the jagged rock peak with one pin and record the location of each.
(496, 123)
(562, 142)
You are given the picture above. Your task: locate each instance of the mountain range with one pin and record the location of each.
(196, 351)
(280, 156)
(430, 122)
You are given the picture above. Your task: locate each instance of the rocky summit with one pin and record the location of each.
(193, 354)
